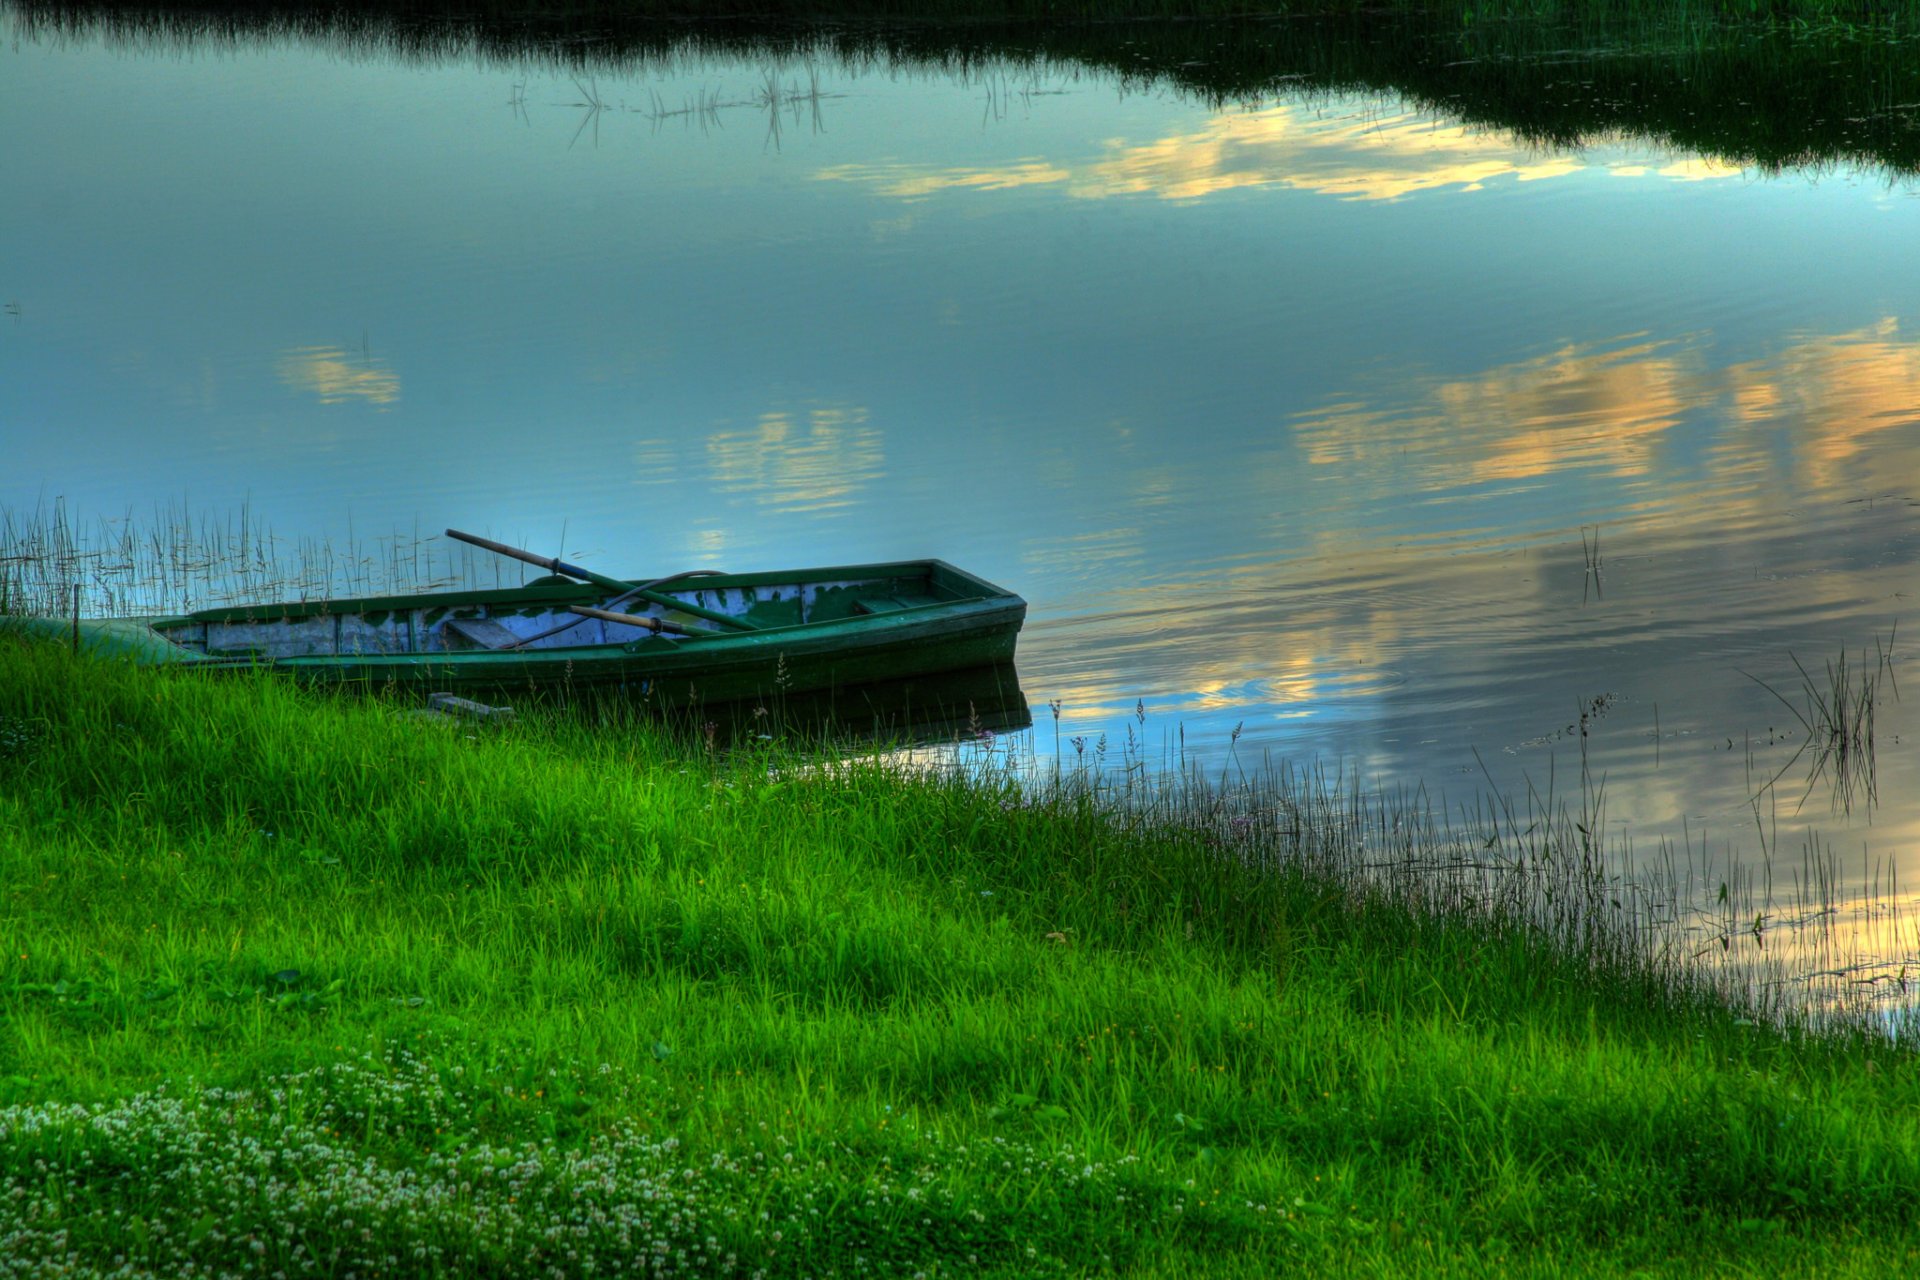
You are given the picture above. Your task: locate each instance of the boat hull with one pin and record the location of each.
(814, 630)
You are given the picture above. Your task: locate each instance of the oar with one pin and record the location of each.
(614, 585)
(655, 625)
(617, 600)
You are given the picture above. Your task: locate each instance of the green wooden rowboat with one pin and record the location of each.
(701, 637)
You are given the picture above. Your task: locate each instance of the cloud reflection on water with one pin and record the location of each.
(1737, 538)
(815, 462)
(1577, 406)
(336, 377)
(1843, 392)
(1614, 407)
(1383, 154)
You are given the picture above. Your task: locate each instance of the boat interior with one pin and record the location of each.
(539, 615)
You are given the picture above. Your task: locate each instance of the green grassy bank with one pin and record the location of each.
(312, 987)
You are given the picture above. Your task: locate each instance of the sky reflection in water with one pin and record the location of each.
(1298, 418)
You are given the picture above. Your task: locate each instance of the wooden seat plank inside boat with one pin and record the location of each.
(478, 633)
(892, 603)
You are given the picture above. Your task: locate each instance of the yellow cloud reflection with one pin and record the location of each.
(1610, 406)
(1841, 393)
(1355, 155)
(337, 377)
(1079, 552)
(1699, 169)
(1374, 158)
(910, 182)
(815, 462)
(1577, 406)
(1200, 651)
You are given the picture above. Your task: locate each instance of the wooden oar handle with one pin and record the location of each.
(655, 625)
(499, 548)
(548, 563)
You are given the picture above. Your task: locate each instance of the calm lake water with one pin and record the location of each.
(1320, 427)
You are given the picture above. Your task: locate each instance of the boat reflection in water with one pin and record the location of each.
(969, 705)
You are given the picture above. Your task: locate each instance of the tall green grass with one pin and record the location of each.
(312, 986)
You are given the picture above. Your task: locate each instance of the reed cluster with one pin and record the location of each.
(54, 563)
(311, 986)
